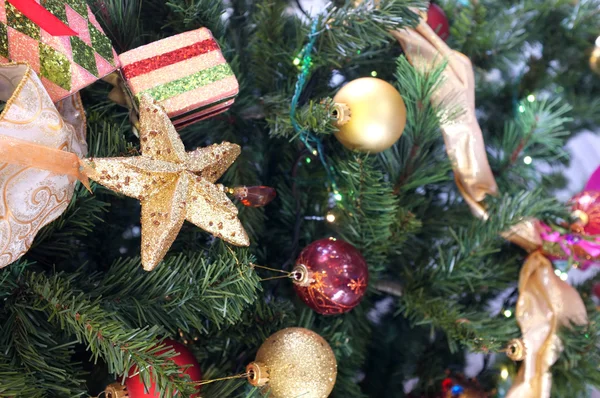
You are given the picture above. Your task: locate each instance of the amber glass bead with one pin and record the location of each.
(257, 196)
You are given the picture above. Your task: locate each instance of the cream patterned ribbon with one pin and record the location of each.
(34, 196)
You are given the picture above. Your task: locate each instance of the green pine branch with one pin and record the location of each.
(468, 262)
(104, 333)
(57, 240)
(577, 367)
(200, 292)
(366, 215)
(349, 30)
(537, 132)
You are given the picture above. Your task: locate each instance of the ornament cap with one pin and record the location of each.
(581, 218)
(258, 374)
(342, 113)
(301, 275)
(116, 390)
(516, 350)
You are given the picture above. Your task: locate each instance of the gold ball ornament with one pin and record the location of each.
(294, 362)
(371, 115)
(595, 60)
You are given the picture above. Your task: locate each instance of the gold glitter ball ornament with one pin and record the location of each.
(294, 362)
(595, 60)
(172, 185)
(375, 115)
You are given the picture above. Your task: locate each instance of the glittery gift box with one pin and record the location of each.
(186, 73)
(65, 64)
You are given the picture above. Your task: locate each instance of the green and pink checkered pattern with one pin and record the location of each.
(66, 64)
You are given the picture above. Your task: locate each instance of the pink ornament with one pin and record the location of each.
(586, 208)
(584, 250)
(593, 183)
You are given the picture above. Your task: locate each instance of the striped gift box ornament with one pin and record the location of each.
(186, 73)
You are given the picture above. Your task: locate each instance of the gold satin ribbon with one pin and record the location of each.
(25, 153)
(461, 132)
(545, 301)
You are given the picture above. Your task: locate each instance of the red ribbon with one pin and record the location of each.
(42, 17)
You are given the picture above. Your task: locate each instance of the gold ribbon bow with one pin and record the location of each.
(545, 301)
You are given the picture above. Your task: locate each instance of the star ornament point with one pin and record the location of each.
(172, 185)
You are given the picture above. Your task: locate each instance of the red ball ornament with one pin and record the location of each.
(135, 386)
(330, 276)
(436, 18)
(586, 210)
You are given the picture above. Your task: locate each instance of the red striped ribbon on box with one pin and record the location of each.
(187, 73)
(159, 61)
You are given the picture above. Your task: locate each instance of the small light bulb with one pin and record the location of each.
(598, 41)
(314, 152)
(504, 373)
(521, 108)
(374, 73)
(531, 98)
(564, 276)
(507, 313)
(557, 272)
(330, 217)
(337, 196)
(527, 160)
(296, 61)
(308, 160)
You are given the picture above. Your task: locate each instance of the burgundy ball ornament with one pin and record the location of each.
(586, 212)
(596, 290)
(330, 276)
(134, 386)
(437, 20)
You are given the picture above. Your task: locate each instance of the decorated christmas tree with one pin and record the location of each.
(235, 198)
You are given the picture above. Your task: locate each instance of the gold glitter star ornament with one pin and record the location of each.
(172, 185)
